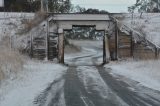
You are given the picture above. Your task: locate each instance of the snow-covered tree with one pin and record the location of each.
(147, 6)
(144, 6)
(58, 6)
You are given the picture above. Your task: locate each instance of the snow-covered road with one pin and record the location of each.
(87, 83)
(84, 82)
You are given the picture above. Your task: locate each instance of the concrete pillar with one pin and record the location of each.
(106, 54)
(107, 47)
(60, 46)
(116, 40)
(104, 49)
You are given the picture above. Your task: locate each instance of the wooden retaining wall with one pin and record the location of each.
(124, 45)
(127, 48)
(143, 52)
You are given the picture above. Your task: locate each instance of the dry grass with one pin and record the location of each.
(39, 17)
(29, 24)
(10, 61)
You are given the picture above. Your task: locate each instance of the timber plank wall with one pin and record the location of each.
(127, 48)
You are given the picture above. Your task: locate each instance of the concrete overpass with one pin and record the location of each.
(58, 23)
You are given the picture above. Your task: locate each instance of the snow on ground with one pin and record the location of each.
(10, 22)
(145, 72)
(12, 25)
(89, 49)
(16, 15)
(148, 25)
(86, 55)
(84, 52)
(35, 77)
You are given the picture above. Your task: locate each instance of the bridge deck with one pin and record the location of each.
(80, 17)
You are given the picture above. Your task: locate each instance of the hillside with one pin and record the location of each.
(148, 25)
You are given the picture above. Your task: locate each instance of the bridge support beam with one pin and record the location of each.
(106, 54)
(60, 46)
(116, 41)
(107, 48)
(104, 50)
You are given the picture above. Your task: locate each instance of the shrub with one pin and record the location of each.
(39, 17)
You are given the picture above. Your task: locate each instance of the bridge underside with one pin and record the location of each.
(58, 23)
(120, 40)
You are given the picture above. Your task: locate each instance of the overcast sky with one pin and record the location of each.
(1, 3)
(109, 5)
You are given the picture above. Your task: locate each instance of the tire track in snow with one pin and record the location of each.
(53, 95)
(75, 94)
(91, 93)
(122, 90)
(98, 92)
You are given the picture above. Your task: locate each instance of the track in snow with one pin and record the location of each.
(89, 84)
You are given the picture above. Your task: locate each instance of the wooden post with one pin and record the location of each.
(104, 49)
(131, 47)
(156, 53)
(116, 41)
(106, 54)
(47, 41)
(60, 46)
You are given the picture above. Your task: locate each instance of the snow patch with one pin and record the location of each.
(30, 83)
(145, 72)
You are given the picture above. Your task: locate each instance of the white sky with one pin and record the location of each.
(109, 5)
(1, 3)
